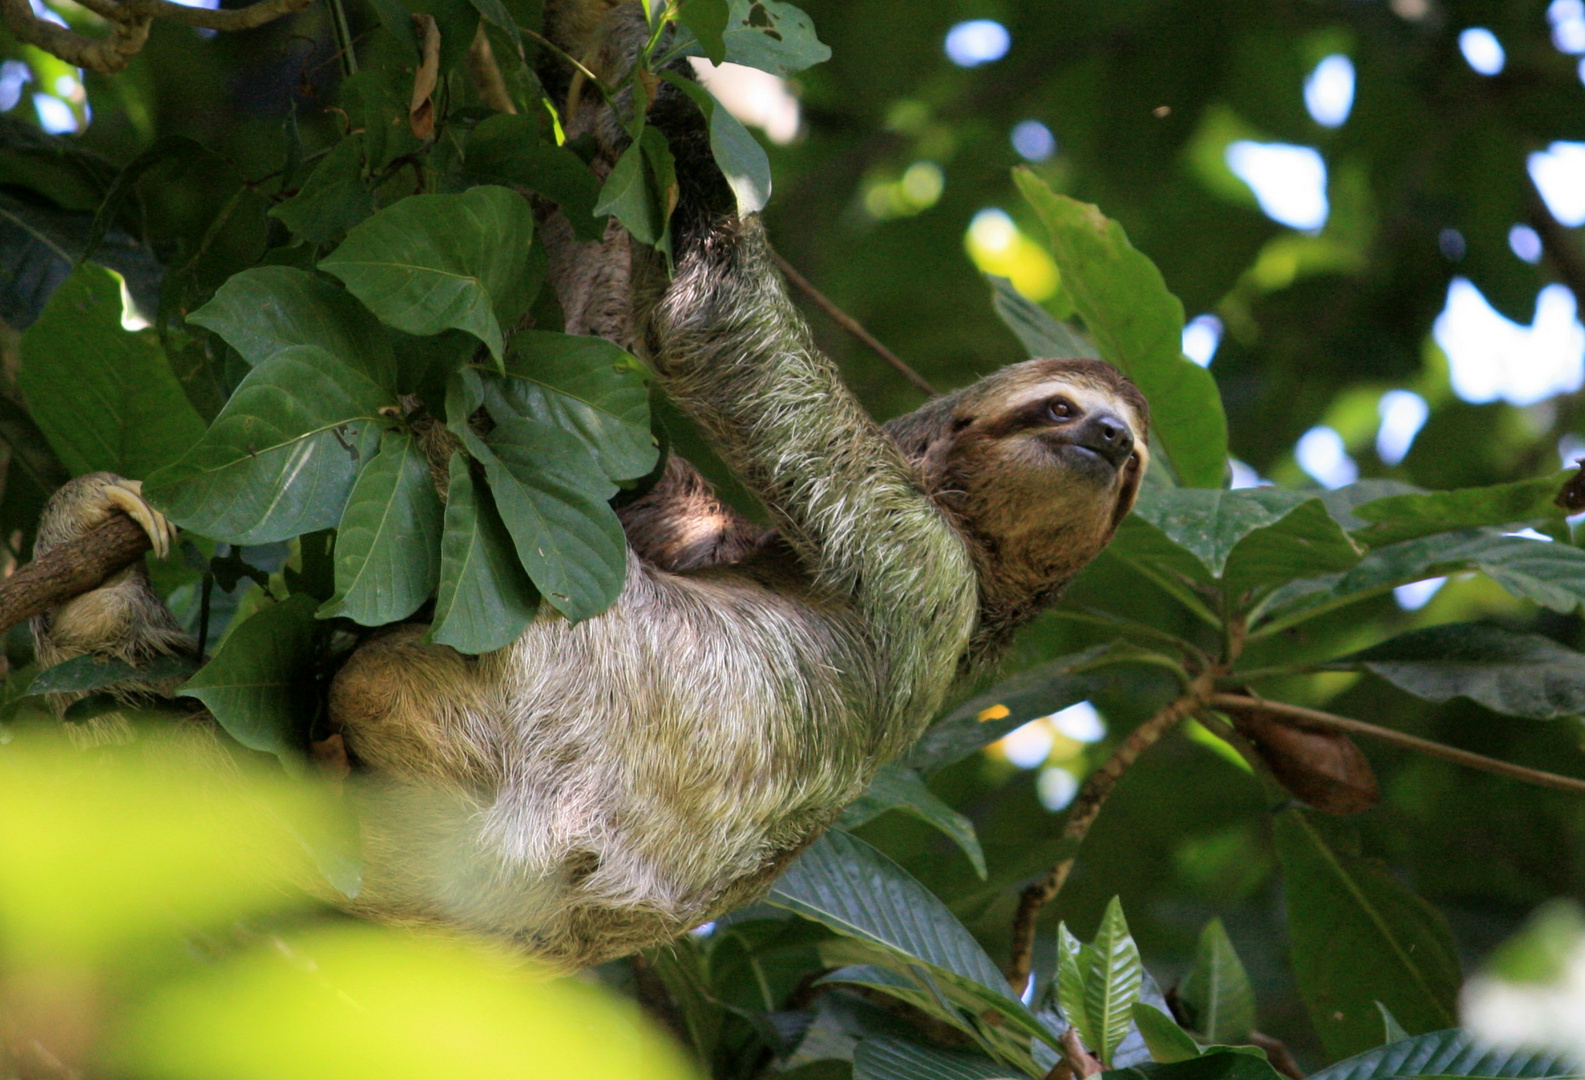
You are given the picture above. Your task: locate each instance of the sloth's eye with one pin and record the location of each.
(1061, 409)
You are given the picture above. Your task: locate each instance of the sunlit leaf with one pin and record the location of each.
(896, 787)
(1359, 936)
(1449, 1053)
(388, 543)
(708, 20)
(433, 262)
(1138, 326)
(739, 156)
(281, 457)
(356, 1000)
(104, 397)
(1404, 517)
(1112, 977)
(772, 36)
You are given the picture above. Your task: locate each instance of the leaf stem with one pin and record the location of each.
(1244, 703)
(1083, 814)
(566, 57)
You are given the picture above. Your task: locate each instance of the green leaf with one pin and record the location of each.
(708, 21)
(1449, 1053)
(508, 149)
(1138, 326)
(850, 887)
(1252, 536)
(398, 22)
(281, 457)
(586, 386)
(1404, 517)
(740, 157)
(894, 985)
(553, 499)
(1219, 1000)
(1167, 1041)
(683, 970)
(1069, 983)
(1358, 937)
(1219, 1064)
(104, 397)
(486, 600)
(84, 673)
(896, 787)
(1392, 1031)
(266, 310)
(333, 199)
(259, 686)
(636, 191)
(1041, 334)
(772, 36)
(435, 262)
(1516, 674)
(388, 543)
(881, 1058)
(1112, 978)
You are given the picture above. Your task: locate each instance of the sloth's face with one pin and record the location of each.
(1048, 456)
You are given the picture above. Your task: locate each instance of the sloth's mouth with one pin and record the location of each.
(1084, 460)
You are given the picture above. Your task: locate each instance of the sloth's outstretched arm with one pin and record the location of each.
(733, 351)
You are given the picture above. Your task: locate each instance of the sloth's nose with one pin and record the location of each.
(1107, 435)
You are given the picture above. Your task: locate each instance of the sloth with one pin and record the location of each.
(600, 787)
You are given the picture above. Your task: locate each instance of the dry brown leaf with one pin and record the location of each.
(1319, 767)
(421, 110)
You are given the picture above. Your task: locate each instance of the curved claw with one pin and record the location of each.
(127, 496)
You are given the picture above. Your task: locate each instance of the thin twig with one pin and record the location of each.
(852, 325)
(1243, 703)
(1083, 814)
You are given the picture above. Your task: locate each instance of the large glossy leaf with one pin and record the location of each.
(104, 397)
(486, 599)
(894, 984)
(281, 457)
(1552, 574)
(553, 499)
(587, 386)
(847, 885)
(1359, 936)
(1517, 674)
(1251, 536)
(1218, 1065)
(636, 191)
(266, 310)
(1137, 325)
(1068, 983)
(880, 1058)
(1450, 1053)
(1217, 995)
(897, 787)
(435, 262)
(509, 150)
(1404, 517)
(388, 543)
(258, 686)
(1112, 977)
(707, 19)
(1040, 333)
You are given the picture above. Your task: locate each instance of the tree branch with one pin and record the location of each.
(71, 570)
(107, 55)
(248, 18)
(852, 325)
(1235, 703)
(1083, 814)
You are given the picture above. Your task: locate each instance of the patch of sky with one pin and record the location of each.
(1321, 453)
(1329, 90)
(1289, 181)
(1403, 413)
(1482, 51)
(1559, 173)
(1034, 141)
(976, 42)
(1490, 357)
(1201, 337)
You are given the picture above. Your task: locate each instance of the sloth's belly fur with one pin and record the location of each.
(597, 798)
